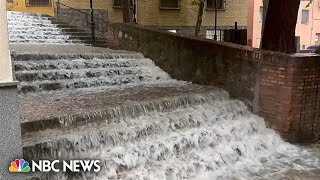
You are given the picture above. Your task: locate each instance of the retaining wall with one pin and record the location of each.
(284, 89)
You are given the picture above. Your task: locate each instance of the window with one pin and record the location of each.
(305, 17)
(118, 3)
(38, 3)
(210, 34)
(317, 36)
(261, 14)
(211, 4)
(169, 4)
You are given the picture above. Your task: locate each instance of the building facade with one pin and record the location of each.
(32, 6)
(178, 16)
(307, 29)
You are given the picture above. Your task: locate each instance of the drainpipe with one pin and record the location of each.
(136, 11)
(312, 24)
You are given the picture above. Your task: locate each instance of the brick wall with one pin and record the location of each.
(282, 88)
(149, 13)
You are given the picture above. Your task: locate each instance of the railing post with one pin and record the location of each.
(93, 36)
(58, 7)
(215, 19)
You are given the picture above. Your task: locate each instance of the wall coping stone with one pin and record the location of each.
(9, 84)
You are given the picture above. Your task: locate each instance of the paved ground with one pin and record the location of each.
(59, 49)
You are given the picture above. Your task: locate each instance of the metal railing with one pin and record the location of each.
(85, 13)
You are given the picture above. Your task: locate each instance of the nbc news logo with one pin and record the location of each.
(20, 165)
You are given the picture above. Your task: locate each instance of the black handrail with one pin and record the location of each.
(81, 11)
(91, 15)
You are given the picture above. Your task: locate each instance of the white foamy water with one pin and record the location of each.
(32, 28)
(228, 142)
(220, 139)
(200, 136)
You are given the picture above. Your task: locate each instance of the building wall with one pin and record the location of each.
(114, 14)
(307, 32)
(149, 13)
(20, 6)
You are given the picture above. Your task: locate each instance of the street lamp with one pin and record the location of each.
(215, 19)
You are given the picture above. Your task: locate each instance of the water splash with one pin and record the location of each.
(215, 140)
(22, 28)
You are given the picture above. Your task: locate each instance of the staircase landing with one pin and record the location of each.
(60, 49)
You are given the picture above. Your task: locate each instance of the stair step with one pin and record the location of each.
(59, 74)
(38, 37)
(61, 84)
(44, 58)
(44, 41)
(68, 30)
(66, 26)
(30, 24)
(80, 34)
(78, 64)
(32, 29)
(52, 110)
(88, 38)
(102, 45)
(109, 132)
(40, 33)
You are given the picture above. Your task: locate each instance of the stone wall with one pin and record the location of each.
(279, 87)
(83, 20)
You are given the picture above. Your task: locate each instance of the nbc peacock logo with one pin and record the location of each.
(19, 165)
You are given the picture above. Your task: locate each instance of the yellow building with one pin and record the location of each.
(32, 6)
(175, 15)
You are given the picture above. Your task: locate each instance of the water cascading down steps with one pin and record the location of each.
(123, 110)
(25, 28)
(120, 108)
(29, 28)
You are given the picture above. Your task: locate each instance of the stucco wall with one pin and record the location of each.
(5, 60)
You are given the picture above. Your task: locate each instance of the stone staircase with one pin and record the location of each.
(82, 102)
(77, 105)
(67, 72)
(49, 30)
(119, 108)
